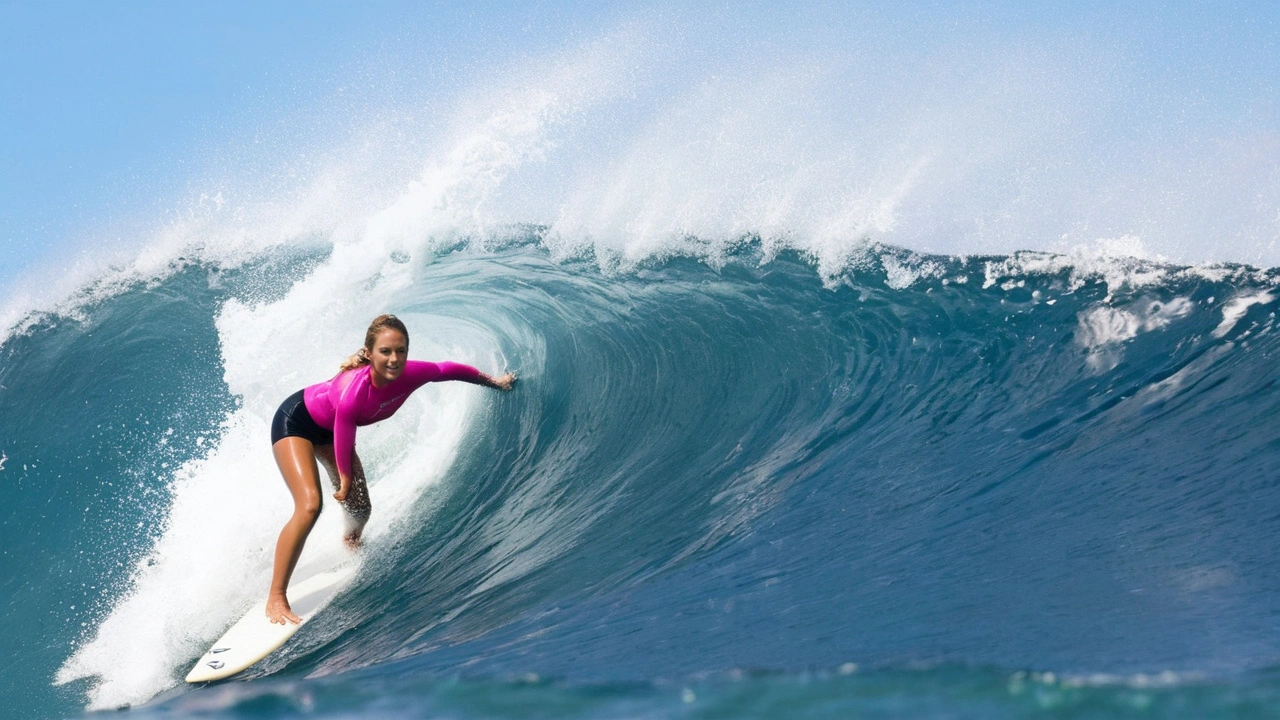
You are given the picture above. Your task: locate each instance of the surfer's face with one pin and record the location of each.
(390, 350)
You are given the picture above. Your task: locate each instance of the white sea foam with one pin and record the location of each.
(1235, 309)
(1101, 330)
(1019, 681)
(1119, 263)
(903, 272)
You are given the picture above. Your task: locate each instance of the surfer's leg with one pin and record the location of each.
(296, 458)
(357, 503)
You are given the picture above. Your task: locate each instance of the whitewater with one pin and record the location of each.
(935, 409)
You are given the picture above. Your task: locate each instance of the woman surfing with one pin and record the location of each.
(319, 423)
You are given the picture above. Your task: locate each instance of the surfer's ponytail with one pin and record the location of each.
(380, 323)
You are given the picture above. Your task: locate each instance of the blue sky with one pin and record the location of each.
(110, 110)
(107, 106)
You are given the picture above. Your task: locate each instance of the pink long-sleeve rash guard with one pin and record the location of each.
(350, 399)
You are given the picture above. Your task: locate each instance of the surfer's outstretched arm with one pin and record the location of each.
(418, 373)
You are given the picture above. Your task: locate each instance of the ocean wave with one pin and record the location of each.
(696, 452)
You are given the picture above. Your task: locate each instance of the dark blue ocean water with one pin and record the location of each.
(926, 487)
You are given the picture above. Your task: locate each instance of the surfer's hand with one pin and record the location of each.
(506, 382)
(344, 487)
(279, 612)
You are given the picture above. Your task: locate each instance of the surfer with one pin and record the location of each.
(319, 423)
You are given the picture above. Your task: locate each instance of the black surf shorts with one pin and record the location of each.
(293, 420)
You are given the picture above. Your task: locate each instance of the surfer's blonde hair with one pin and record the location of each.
(380, 323)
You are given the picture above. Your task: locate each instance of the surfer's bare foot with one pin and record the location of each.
(353, 542)
(279, 612)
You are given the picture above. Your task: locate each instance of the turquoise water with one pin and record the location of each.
(926, 486)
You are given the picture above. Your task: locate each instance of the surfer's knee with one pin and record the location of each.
(308, 507)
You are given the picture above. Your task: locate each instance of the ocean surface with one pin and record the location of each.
(928, 486)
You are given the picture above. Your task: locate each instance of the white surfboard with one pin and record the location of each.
(254, 637)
